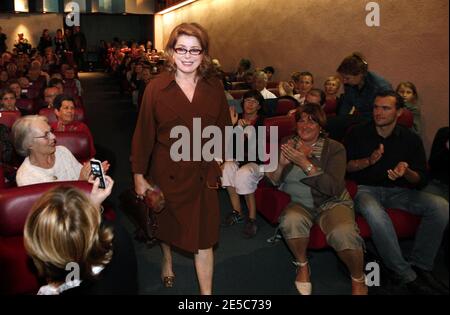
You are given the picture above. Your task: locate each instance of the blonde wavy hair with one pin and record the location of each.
(64, 227)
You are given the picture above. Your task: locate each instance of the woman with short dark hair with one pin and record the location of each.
(311, 169)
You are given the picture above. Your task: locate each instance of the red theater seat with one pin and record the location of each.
(272, 85)
(50, 114)
(16, 272)
(270, 203)
(77, 142)
(237, 94)
(284, 105)
(285, 124)
(8, 118)
(26, 105)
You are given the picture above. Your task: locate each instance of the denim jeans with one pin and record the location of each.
(371, 202)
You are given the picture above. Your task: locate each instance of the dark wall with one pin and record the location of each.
(126, 27)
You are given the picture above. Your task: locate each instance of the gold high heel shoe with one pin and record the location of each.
(304, 288)
(168, 281)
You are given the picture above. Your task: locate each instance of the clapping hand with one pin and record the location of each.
(376, 155)
(296, 156)
(233, 115)
(398, 171)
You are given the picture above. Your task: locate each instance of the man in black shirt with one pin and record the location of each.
(388, 161)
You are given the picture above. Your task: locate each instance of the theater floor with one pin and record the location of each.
(241, 266)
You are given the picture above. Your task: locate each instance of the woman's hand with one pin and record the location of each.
(243, 122)
(85, 171)
(140, 184)
(233, 115)
(296, 156)
(98, 195)
(283, 161)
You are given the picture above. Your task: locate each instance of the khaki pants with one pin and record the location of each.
(337, 223)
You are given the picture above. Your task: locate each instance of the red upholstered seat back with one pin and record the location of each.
(26, 105)
(284, 105)
(51, 116)
(286, 125)
(237, 94)
(270, 203)
(16, 272)
(8, 118)
(77, 142)
(15, 204)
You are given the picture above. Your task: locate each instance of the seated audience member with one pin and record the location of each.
(386, 160)
(315, 96)
(301, 82)
(59, 84)
(135, 82)
(15, 87)
(304, 82)
(3, 79)
(331, 87)
(311, 169)
(49, 96)
(360, 88)
(242, 177)
(12, 70)
(243, 67)
(7, 100)
(247, 81)
(65, 229)
(69, 77)
(56, 75)
(65, 112)
(260, 83)
(270, 71)
(36, 77)
(438, 164)
(146, 75)
(44, 160)
(24, 84)
(408, 92)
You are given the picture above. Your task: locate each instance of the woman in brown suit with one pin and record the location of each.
(190, 220)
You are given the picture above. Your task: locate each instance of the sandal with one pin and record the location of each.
(304, 288)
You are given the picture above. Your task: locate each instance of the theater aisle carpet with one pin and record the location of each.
(241, 266)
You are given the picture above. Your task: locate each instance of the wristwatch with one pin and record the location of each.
(309, 168)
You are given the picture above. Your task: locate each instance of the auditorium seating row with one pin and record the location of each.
(242, 85)
(270, 201)
(9, 117)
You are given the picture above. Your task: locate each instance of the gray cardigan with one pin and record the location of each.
(328, 184)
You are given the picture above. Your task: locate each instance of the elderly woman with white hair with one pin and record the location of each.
(44, 160)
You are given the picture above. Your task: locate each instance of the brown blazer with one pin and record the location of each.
(191, 217)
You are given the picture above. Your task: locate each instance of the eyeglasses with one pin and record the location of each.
(192, 51)
(46, 135)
